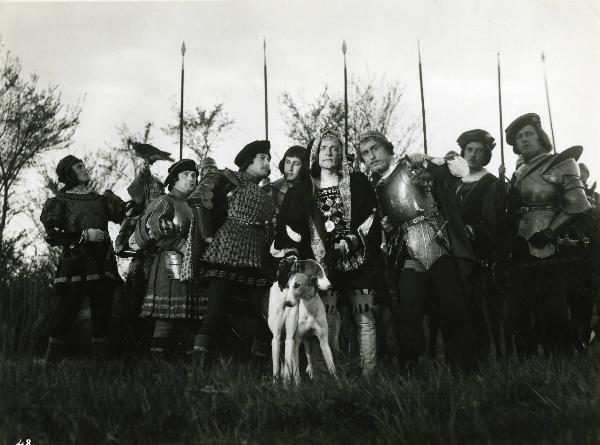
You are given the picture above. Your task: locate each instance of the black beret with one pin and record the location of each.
(64, 166)
(476, 135)
(295, 151)
(520, 122)
(527, 119)
(250, 151)
(183, 165)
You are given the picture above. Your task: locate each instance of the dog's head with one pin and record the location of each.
(306, 278)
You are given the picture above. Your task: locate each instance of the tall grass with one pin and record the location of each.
(136, 400)
(541, 401)
(25, 301)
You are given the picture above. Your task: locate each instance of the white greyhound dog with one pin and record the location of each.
(299, 309)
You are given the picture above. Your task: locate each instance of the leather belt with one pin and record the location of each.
(525, 209)
(248, 222)
(416, 220)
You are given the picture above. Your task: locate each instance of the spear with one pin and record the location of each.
(181, 108)
(500, 111)
(548, 101)
(422, 99)
(345, 100)
(266, 83)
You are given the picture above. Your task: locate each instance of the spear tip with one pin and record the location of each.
(183, 48)
(543, 56)
(344, 47)
(264, 43)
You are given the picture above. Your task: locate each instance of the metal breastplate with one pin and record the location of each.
(183, 215)
(401, 198)
(183, 218)
(427, 241)
(539, 203)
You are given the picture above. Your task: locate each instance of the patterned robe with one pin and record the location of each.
(240, 248)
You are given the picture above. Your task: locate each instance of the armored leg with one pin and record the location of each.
(364, 317)
(333, 318)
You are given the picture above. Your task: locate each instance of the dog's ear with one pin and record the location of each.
(322, 282)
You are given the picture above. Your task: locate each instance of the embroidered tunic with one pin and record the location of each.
(65, 217)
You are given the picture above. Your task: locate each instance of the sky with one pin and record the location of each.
(122, 62)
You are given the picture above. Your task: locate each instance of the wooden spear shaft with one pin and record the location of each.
(422, 100)
(266, 89)
(181, 104)
(345, 101)
(500, 112)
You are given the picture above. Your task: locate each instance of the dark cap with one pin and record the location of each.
(527, 119)
(377, 136)
(476, 135)
(184, 165)
(64, 166)
(250, 151)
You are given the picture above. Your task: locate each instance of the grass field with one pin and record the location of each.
(82, 402)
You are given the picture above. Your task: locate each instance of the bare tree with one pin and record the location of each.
(372, 105)
(33, 120)
(202, 128)
(109, 168)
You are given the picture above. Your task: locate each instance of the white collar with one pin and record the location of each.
(475, 176)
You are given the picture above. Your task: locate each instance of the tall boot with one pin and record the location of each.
(201, 354)
(55, 351)
(333, 320)
(364, 317)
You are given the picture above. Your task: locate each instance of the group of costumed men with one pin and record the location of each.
(419, 235)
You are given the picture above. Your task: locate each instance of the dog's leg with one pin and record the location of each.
(296, 368)
(277, 315)
(276, 353)
(291, 325)
(308, 352)
(327, 355)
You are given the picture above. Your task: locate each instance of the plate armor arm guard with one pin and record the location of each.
(567, 176)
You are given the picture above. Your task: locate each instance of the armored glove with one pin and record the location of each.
(543, 237)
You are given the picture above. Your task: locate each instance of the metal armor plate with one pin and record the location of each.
(173, 261)
(540, 200)
(425, 242)
(534, 221)
(401, 198)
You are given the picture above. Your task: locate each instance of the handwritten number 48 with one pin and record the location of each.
(27, 442)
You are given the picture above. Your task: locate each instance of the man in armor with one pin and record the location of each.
(377, 154)
(77, 219)
(175, 305)
(546, 194)
(143, 190)
(481, 201)
(229, 245)
(432, 252)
